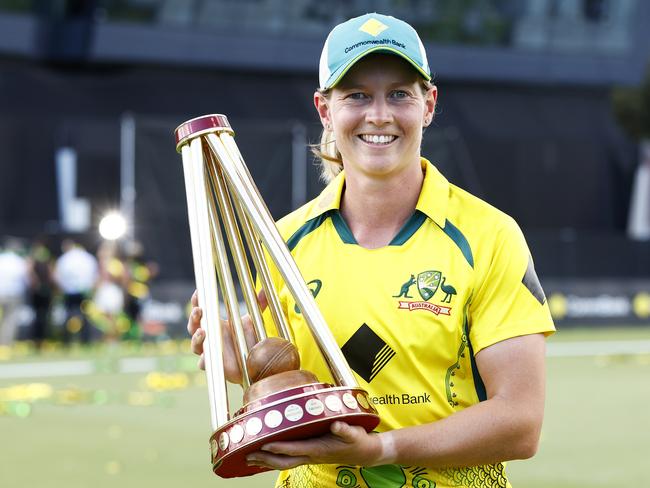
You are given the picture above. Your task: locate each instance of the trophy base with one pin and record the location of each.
(297, 413)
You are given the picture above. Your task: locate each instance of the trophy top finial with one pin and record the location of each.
(201, 125)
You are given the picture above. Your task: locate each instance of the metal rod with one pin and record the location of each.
(225, 277)
(206, 283)
(237, 173)
(237, 247)
(257, 253)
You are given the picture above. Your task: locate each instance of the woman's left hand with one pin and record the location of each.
(347, 444)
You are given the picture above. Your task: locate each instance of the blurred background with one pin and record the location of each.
(544, 112)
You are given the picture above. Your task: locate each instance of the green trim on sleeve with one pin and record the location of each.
(481, 393)
(459, 239)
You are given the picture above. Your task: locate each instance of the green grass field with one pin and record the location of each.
(131, 430)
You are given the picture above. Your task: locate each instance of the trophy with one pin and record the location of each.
(281, 402)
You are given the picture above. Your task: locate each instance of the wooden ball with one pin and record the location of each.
(271, 356)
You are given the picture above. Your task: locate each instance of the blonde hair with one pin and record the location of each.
(326, 152)
(328, 156)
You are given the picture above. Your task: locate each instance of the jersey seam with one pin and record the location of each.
(458, 238)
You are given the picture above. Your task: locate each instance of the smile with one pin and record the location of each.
(377, 139)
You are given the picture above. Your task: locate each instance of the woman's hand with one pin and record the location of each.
(195, 330)
(506, 426)
(345, 444)
(230, 356)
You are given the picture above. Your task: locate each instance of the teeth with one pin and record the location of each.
(377, 139)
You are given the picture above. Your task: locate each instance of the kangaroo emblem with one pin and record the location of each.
(404, 291)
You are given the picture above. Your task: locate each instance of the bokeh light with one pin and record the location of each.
(112, 226)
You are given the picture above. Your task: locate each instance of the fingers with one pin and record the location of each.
(281, 448)
(345, 431)
(339, 429)
(197, 341)
(314, 447)
(194, 329)
(249, 331)
(201, 362)
(275, 461)
(262, 300)
(194, 320)
(344, 442)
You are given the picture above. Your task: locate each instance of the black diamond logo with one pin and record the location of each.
(367, 353)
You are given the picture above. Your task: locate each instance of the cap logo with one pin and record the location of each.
(373, 27)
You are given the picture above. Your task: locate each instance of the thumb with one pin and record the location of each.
(343, 430)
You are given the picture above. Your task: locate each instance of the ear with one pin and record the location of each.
(430, 105)
(322, 107)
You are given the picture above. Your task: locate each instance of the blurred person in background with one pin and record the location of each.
(108, 300)
(14, 282)
(465, 344)
(76, 274)
(139, 273)
(41, 287)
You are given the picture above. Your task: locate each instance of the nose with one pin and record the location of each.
(379, 113)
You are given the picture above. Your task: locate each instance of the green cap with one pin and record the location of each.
(352, 40)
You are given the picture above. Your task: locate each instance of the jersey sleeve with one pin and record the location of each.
(508, 300)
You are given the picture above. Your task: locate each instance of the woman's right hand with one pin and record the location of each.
(195, 330)
(231, 360)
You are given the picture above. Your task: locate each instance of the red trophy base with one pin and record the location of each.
(297, 413)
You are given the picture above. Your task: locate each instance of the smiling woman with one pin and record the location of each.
(377, 113)
(394, 103)
(430, 292)
(380, 102)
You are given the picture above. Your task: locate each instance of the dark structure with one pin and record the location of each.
(524, 120)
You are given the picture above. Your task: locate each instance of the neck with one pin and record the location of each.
(375, 209)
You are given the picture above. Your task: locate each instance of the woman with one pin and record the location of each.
(429, 291)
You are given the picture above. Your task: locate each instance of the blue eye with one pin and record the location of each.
(357, 96)
(399, 94)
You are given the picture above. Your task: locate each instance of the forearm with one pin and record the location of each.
(492, 431)
(504, 427)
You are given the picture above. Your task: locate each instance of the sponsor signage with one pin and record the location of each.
(401, 399)
(607, 302)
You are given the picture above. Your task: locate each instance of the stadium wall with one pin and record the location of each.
(551, 156)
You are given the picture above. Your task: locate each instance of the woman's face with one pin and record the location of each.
(377, 113)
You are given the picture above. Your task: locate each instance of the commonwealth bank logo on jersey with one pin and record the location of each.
(428, 283)
(367, 353)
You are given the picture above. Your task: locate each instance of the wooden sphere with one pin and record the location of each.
(271, 356)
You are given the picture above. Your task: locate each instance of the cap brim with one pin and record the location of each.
(337, 75)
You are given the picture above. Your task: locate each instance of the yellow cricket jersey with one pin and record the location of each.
(410, 317)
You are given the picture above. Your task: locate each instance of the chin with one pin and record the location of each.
(376, 169)
(385, 165)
